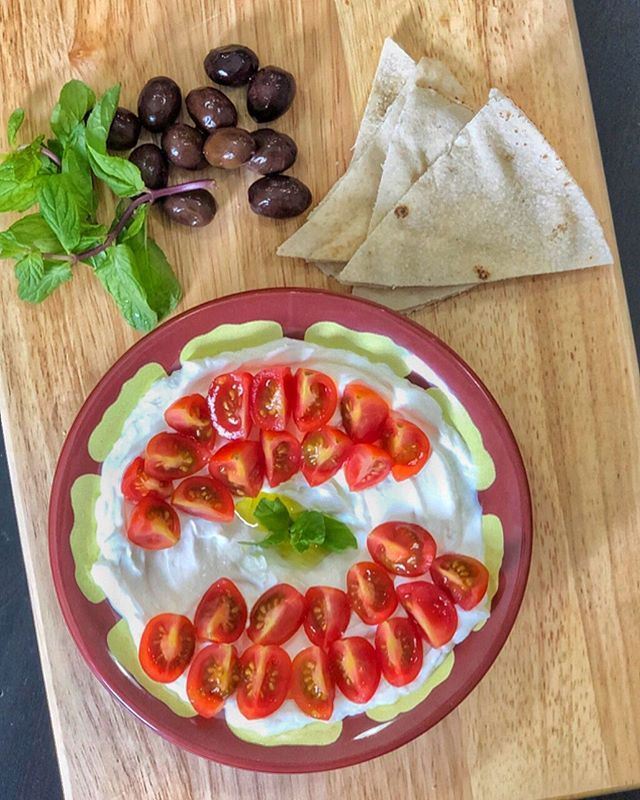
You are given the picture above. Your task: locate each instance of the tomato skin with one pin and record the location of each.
(399, 649)
(323, 453)
(213, 677)
(270, 391)
(366, 466)
(282, 456)
(316, 399)
(371, 592)
(190, 415)
(276, 615)
(431, 609)
(166, 647)
(328, 614)
(465, 578)
(153, 525)
(355, 668)
(272, 666)
(363, 412)
(221, 614)
(203, 497)
(228, 401)
(240, 467)
(403, 548)
(136, 484)
(171, 456)
(312, 686)
(408, 446)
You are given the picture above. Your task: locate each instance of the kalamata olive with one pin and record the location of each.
(183, 146)
(159, 103)
(124, 130)
(195, 208)
(228, 148)
(274, 151)
(231, 65)
(153, 165)
(271, 92)
(211, 109)
(279, 196)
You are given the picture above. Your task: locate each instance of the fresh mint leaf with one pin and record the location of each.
(37, 278)
(29, 233)
(100, 119)
(14, 124)
(308, 528)
(135, 224)
(75, 164)
(76, 98)
(19, 178)
(154, 272)
(337, 535)
(272, 514)
(116, 269)
(59, 207)
(16, 195)
(91, 235)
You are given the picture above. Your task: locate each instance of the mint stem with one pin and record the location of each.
(50, 154)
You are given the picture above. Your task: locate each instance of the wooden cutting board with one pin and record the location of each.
(559, 713)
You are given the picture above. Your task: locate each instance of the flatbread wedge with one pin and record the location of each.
(408, 298)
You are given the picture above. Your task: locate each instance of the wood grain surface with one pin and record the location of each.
(559, 713)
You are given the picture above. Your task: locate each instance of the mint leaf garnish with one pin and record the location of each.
(116, 269)
(273, 515)
(308, 528)
(14, 124)
(76, 98)
(59, 207)
(338, 536)
(37, 278)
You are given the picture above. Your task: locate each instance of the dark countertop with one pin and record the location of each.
(610, 34)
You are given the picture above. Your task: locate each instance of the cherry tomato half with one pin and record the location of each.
(170, 456)
(371, 592)
(265, 675)
(366, 466)
(222, 613)
(190, 415)
(465, 578)
(323, 453)
(240, 467)
(432, 610)
(270, 390)
(136, 484)
(328, 614)
(363, 412)
(228, 400)
(213, 677)
(407, 445)
(203, 497)
(399, 649)
(282, 456)
(312, 686)
(316, 399)
(166, 647)
(355, 668)
(276, 615)
(402, 547)
(153, 524)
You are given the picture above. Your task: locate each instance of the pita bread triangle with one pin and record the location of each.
(408, 298)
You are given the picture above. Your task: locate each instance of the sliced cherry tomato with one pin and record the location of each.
(222, 613)
(363, 412)
(166, 647)
(282, 456)
(323, 453)
(316, 399)
(355, 668)
(465, 578)
(265, 675)
(407, 445)
(399, 649)
(228, 401)
(270, 398)
(170, 456)
(153, 524)
(402, 547)
(190, 415)
(276, 615)
(371, 592)
(136, 484)
(240, 467)
(432, 610)
(366, 465)
(203, 497)
(312, 686)
(213, 677)
(328, 614)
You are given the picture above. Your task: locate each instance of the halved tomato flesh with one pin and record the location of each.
(213, 677)
(170, 456)
(240, 467)
(312, 686)
(328, 614)
(355, 668)
(323, 453)
(222, 613)
(190, 415)
(402, 547)
(371, 592)
(363, 412)
(228, 400)
(399, 649)
(265, 675)
(203, 497)
(366, 466)
(432, 609)
(282, 456)
(407, 445)
(153, 524)
(270, 398)
(136, 484)
(465, 578)
(166, 647)
(276, 615)
(316, 399)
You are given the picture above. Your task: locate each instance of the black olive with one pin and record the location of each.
(183, 146)
(153, 165)
(231, 65)
(209, 108)
(159, 103)
(279, 196)
(274, 151)
(195, 208)
(124, 131)
(228, 148)
(271, 92)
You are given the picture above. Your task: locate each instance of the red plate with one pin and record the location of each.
(508, 498)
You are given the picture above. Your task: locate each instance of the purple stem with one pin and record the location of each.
(50, 154)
